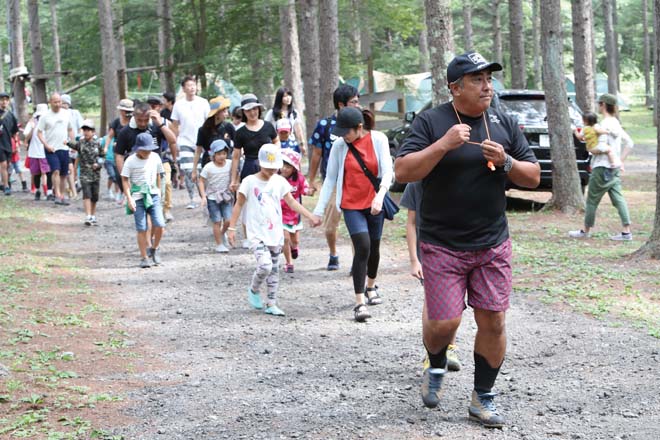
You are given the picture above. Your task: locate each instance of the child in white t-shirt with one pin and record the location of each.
(214, 187)
(141, 177)
(261, 194)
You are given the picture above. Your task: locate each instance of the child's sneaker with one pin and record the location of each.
(88, 220)
(7, 191)
(94, 221)
(294, 253)
(155, 255)
(288, 268)
(24, 184)
(37, 196)
(274, 310)
(255, 299)
(333, 262)
(145, 263)
(221, 248)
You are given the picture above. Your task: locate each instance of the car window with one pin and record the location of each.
(527, 109)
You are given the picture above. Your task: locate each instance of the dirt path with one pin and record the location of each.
(222, 370)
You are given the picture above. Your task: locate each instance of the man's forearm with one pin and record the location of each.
(416, 166)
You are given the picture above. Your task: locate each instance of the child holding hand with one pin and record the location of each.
(291, 220)
(261, 195)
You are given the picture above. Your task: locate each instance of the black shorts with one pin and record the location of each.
(5, 156)
(90, 191)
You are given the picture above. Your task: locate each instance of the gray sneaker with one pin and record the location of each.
(155, 255)
(622, 237)
(145, 263)
(579, 234)
(482, 409)
(432, 384)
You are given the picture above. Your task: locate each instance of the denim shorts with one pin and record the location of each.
(111, 169)
(219, 210)
(361, 220)
(155, 211)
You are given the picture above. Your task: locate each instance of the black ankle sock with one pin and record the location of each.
(438, 360)
(626, 233)
(484, 374)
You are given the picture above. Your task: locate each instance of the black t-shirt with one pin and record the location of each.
(224, 130)
(463, 202)
(127, 135)
(166, 113)
(116, 125)
(251, 141)
(8, 127)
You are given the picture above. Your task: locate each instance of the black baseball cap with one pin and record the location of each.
(347, 118)
(469, 62)
(4, 95)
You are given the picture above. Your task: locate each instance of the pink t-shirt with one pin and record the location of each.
(298, 188)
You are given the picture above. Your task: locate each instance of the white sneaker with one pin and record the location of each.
(579, 234)
(221, 249)
(191, 205)
(246, 244)
(88, 220)
(168, 217)
(94, 221)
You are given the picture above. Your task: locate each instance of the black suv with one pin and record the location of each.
(528, 107)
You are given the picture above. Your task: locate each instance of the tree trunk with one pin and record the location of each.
(566, 190)
(109, 54)
(118, 22)
(291, 54)
(17, 59)
(517, 45)
(439, 27)
(329, 53)
(424, 63)
(165, 46)
(536, 44)
(36, 46)
(615, 23)
(648, 94)
(497, 36)
(310, 68)
(610, 47)
(585, 94)
(262, 71)
(467, 25)
(652, 247)
(357, 24)
(2, 69)
(57, 58)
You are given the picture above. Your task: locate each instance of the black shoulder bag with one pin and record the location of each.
(390, 208)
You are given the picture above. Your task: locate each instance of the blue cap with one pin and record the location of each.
(144, 142)
(218, 145)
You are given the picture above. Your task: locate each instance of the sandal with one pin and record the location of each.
(361, 313)
(374, 299)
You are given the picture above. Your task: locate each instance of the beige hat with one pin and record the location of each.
(126, 105)
(88, 123)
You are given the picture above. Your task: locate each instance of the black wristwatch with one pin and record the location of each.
(508, 163)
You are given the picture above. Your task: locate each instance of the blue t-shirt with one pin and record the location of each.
(290, 144)
(323, 138)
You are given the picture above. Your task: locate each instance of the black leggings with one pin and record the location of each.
(36, 179)
(365, 260)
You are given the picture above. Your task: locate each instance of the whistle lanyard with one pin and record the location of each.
(483, 114)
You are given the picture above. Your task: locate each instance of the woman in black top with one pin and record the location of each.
(215, 127)
(250, 138)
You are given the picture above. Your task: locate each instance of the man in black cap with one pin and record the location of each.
(8, 128)
(464, 152)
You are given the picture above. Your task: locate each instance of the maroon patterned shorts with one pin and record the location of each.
(448, 274)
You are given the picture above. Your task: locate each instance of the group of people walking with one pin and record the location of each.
(457, 159)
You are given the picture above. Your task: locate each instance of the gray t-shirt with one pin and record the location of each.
(412, 200)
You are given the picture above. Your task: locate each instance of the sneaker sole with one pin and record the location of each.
(474, 418)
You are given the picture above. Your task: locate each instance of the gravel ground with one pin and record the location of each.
(222, 370)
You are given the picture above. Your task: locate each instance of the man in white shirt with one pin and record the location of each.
(54, 130)
(187, 116)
